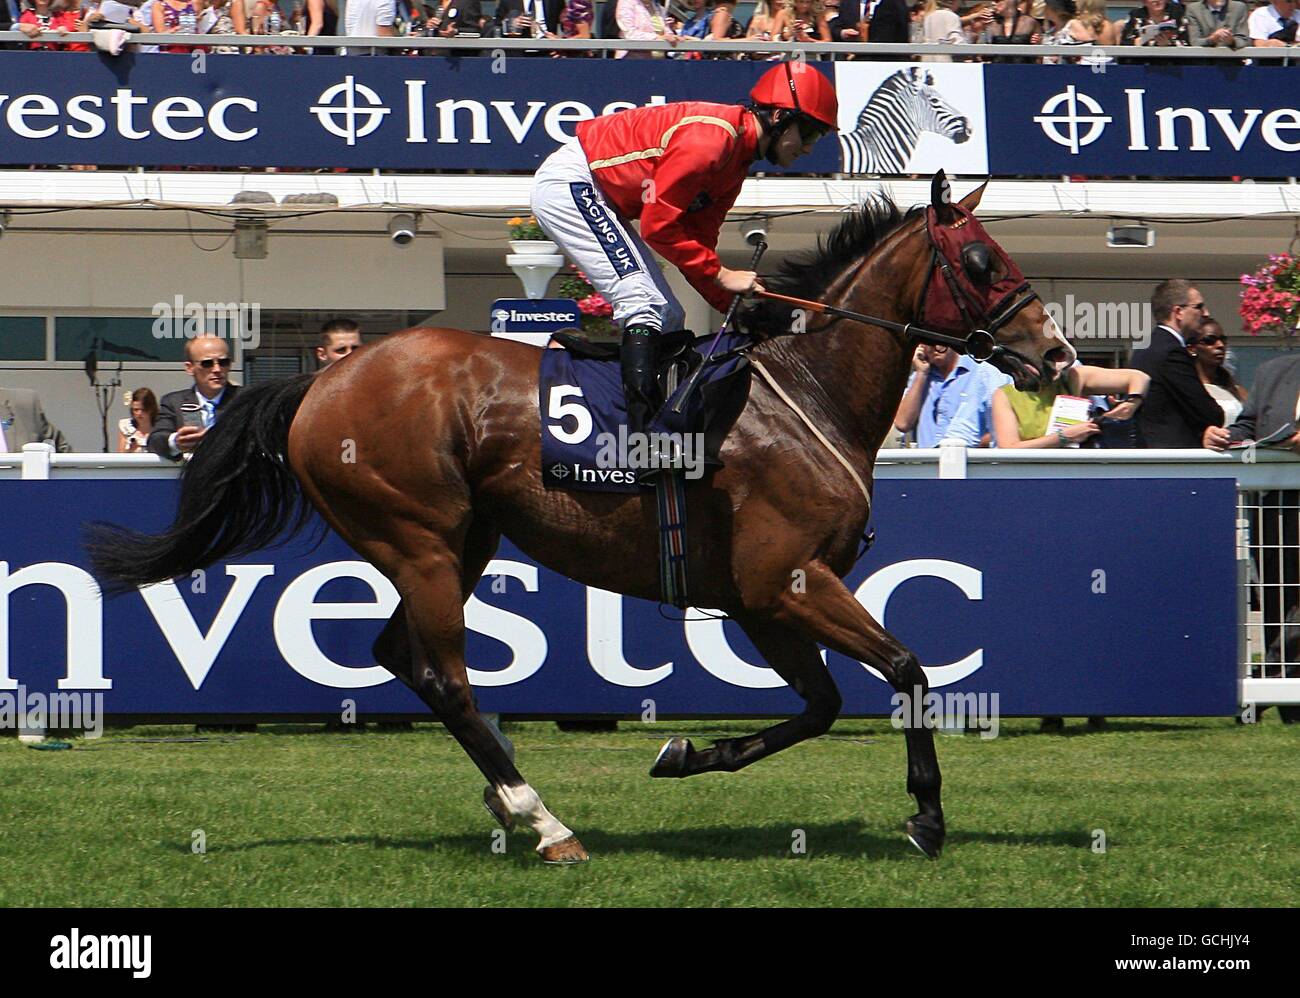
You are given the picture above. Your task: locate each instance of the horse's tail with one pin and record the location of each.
(237, 494)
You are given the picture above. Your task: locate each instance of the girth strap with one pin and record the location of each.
(821, 437)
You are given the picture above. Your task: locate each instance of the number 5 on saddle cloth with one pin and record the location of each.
(585, 442)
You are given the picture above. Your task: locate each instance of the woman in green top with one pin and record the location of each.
(1020, 418)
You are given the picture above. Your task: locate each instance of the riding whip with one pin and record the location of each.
(685, 394)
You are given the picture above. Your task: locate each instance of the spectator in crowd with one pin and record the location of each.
(576, 21)
(1143, 24)
(760, 27)
(176, 17)
(1270, 414)
(1274, 25)
(1209, 350)
(890, 23)
(708, 21)
(529, 18)
(338, 338)
(179, 427)
(949, 397)
(1066, 24)
(22, 421)
(133, 430)
(369, 18)
(41, 16)
(1178, 408)
(448, 18)
(941, 25)
(322, 19)
(641, 20)
(1092, 14)
(1013, 26)
(1020, 419)
(801, 21)
(1218, 24)
(844, 21)
(217, 19)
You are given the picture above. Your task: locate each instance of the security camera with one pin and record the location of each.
(1130, 237)
(754, 230)
(402, 228)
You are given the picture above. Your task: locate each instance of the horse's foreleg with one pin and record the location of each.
(797, 661)
(431, 595)
(828, 613)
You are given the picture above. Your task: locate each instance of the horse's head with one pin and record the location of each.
(974, 290)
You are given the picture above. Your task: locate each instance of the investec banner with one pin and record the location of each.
(1045, 597)
(508, 113)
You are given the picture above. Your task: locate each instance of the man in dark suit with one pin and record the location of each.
(207, 361)
(1270, 414)
(1178, 408)
(890, 22)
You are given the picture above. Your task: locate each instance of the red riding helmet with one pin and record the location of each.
(799, 87)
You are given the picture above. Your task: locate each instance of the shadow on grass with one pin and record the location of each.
(845, 839)
(1078, 728)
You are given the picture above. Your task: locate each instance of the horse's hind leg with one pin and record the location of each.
(797, 660)
(432, 589)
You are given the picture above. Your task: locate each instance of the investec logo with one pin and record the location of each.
(516, 625)
(501, 316)
(352, 111)
(1075, 119)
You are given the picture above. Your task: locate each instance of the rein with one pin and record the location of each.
(978, 343)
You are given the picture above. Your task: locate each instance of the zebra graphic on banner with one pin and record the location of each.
(892, 121)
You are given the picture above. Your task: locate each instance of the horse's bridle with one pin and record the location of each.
(981, 321)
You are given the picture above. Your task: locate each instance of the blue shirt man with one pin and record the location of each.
(949, 397)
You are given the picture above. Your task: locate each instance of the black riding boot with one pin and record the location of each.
(640, 387)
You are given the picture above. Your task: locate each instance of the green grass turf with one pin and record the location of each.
(1195, 812)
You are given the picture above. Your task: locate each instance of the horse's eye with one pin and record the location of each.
(977, 261)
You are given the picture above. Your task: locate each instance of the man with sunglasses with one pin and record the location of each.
(184, 416)
(677, 168)
(1177, 408)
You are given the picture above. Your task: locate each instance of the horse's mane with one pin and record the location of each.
(809, 274)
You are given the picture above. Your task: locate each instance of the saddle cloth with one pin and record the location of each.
(585, 446)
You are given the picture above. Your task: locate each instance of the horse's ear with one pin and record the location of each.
(941, 198)
(971, 201)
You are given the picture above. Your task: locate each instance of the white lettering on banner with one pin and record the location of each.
(415, 111)
(1082, 122)
(85, 622)
(298, 608)
(527, 641)
(34, 105)
(518, 129)
(707, 641)
(84, 110)
(875, 591)
(195, 650)
(605, 643)
(566, 112)
(447, 121)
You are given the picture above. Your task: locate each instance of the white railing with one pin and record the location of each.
(1261, 477)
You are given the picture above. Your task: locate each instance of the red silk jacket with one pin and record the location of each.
(678, 168)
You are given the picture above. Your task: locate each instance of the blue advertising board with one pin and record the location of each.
(510, 112)
(1062, 597)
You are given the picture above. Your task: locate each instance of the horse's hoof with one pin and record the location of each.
(926, 833)
(566, 852)
(497, 808)
(671, 760)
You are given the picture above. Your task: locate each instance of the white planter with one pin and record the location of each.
(535, 270)
(533, 247)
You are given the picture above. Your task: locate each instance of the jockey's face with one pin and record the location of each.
(793, 141)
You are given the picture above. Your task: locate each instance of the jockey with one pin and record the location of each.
(678, 168)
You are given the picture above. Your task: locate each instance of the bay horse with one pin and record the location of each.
(443, 426)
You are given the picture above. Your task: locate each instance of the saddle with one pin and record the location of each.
(586, 446)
